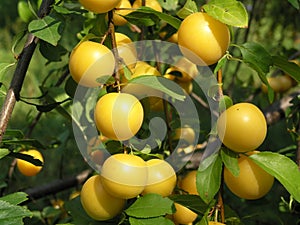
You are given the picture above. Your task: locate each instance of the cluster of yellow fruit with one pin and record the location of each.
(243, 128)
(28, 169)
(104, 196)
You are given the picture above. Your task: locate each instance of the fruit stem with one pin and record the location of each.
(220, 83)
(111, 31)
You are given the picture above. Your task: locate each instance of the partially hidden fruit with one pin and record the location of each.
(161, 178)
(99, 6)
(89, 61)
(215, 223)
(122, 10)
(203, 39)
(97, 202)
(27, 168)
(188, 183)
(252, 182)
(185, 133)
(279, 84)
(154, 4)
(124, 175)
(185, 68)
(242, 127)
(183, 215)
(118, 116)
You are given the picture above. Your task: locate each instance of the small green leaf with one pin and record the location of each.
(24, 11)
(149, 17)
(288, 67)
(150, 205)
(47, 29)
(150, 221)
(27, 142)
(15, 198)
(4, 152)
(282, 168)
(193, 202)
(230, 12)
(11, 214)
(295, 3)
(10, 133)
(3, 69)
(189, 8)
(52, 53)
(209, 177)
(63, 10)
(230, 160)
(169, 5)
(161, 84)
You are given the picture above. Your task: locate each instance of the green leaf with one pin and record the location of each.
(65, 11)
(209, 177)
(257, 57)
(150, 221)
(10, 133)
(169, 5)
(24, 11)
(193, 202)
(150, 205)
(288, 67)
(52, 53)
(189, 8)
(295, 3)
(11, 214)
(282, 168)
(161, 84)
(4, 152)
(27, 142)
(230, 160)
(15, 198)
(149, 17)
(47, 29)
(230, 12)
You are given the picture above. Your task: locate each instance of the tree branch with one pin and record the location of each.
(20, 72)
(56, 186)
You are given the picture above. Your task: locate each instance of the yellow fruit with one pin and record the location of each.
(154, 4)
(161, 178)
(186, 86)
(188, 183)
(98, 203)
(242, 127)
(124, 175)
(185, 133)
(99, 6)
(202, 39)
(215, 223)
(279, 84)
(119, 116)
(183, 215)
(252, 182)
(27, 168)
(122, 10)
(89, 61)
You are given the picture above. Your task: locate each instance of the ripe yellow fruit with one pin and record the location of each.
(201, 36)
(154, 4)
(98, 6)
(215, 223)
(242, 127)
(252, 182)
(188, 183)
(119, 116)
(122, 10)
(161, 178)
(185, 133)
(90, 60)
(27, 168)
(124, 175)
(279, 84)
(98, 203)
(183, 215)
